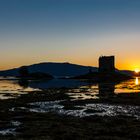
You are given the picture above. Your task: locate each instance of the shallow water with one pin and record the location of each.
(8, 131)
(12, 130)
(96, 109)
(12, 88)
(77, 89)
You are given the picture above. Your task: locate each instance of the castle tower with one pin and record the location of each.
(107, 64)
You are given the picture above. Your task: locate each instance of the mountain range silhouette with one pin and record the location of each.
(56, 69)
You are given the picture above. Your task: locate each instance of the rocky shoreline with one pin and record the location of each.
(42, 115)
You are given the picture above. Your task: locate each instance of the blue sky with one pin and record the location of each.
(77, 31)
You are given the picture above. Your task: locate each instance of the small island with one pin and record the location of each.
(25, 74)
(106, 72)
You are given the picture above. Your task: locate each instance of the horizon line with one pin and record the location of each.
(61, 62)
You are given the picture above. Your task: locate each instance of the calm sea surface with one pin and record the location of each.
(10, 87)
(78, 90)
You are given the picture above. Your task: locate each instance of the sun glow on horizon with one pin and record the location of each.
(137, 81)
(137, 70)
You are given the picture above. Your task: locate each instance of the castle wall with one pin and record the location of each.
(107, 64)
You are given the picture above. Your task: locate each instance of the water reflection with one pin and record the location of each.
(106, 89)
(13, 88)
(57, 83)
(137, 81)
(23, 83)
(84, 89)
(128, 86)
(97, 109)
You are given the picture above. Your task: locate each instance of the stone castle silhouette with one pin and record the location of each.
(107, 64)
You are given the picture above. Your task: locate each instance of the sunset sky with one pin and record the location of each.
(75, 31)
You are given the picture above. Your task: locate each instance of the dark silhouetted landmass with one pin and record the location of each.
(55, 69)
(25, 74)
(58, 70)
(99, 77)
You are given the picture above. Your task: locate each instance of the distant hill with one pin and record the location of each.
(55, 69)
(58, 69)
(128, 72)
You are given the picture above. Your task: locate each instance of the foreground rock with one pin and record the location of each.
(18, 122)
